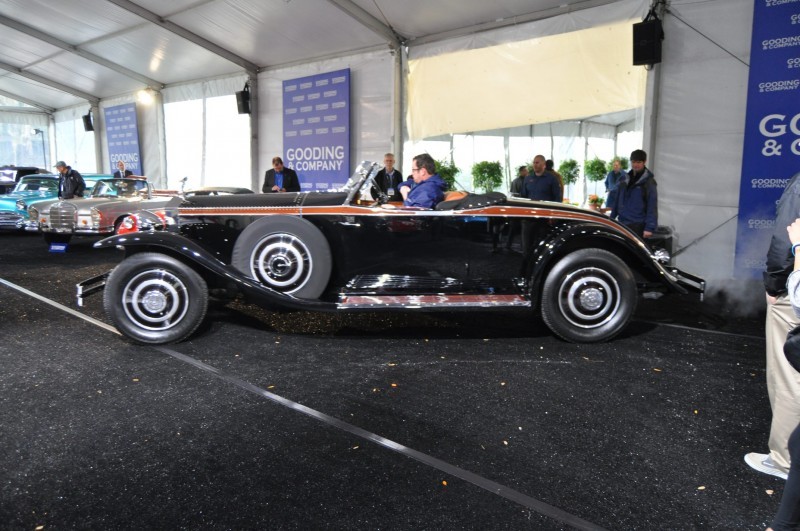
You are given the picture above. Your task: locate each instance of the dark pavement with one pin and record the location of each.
(408, 421)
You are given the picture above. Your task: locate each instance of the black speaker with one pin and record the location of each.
(647, 38)
(87, 122)
(243, 101)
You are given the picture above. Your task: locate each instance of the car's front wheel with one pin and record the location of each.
(155, 299)
(589, 296)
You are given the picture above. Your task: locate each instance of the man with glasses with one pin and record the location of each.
(427, 188)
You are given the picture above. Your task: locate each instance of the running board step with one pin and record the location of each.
(432, 301)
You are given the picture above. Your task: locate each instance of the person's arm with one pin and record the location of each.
(266, 187)
(405, 188)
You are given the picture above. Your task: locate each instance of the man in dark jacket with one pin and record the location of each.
(388, 179)
(783, 382)
(70, 182)
(542, 185)
(428, 188)
(121, 171)
(280, 179)
(636, 205)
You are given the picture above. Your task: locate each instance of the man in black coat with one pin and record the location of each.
(280, 179)
(70, 182)
(122, 172)
(388, 179)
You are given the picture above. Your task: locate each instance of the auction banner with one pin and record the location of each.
(772, 129)
(122, 135)
(316, 129)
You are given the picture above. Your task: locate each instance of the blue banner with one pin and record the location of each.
(316, 129)
(122, 135)
(772, 129)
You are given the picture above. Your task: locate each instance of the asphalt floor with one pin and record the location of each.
(477, 420)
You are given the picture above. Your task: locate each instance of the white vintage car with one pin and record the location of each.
(111, 200)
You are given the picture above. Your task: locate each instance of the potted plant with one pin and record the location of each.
(595, 171)
(569, 172)
(447, 170)
(595, 201)
(487, 175)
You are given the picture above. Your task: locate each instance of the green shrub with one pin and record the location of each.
(447, 170)
(595, 169)
(487, 175)
(569, 171)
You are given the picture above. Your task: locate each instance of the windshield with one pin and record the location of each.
(119, 188)
(359, 179)
(37, 185)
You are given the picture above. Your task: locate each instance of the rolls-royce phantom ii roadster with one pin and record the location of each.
(341, 251)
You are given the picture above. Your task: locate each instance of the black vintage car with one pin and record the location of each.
(332, 251)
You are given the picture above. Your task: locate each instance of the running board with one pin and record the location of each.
(432, 301)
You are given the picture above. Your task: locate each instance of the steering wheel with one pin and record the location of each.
(370, 183)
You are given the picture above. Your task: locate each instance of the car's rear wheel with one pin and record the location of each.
(286, 254)
(52, 237)
(589, 296)
(156, 299)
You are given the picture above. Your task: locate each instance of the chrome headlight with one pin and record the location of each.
(21, 204)
(33, 213)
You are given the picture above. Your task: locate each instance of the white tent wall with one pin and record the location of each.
(73, 145)
(372, 82)
(699, 133)
(207, 140)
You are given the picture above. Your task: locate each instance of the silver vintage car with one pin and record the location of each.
(101, 214)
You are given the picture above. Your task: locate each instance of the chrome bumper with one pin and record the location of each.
(90, 286)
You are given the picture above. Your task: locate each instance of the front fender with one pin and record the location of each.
(200, 259)
(624, 244)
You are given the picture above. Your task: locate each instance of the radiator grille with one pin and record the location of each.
(62, 216)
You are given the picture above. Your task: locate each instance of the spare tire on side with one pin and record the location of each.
(286, 254)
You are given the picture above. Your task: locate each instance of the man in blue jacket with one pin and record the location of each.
(636, 205)
(428, 188)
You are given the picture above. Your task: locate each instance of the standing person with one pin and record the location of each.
(388, 179)
(121, 171)
(280, 179)
(783, 382)
(636, 204)
(612, 182)
(515, 191)
(541, 186)
(70, 182)
(516, 184)
(788, 515)
(428, 188)
(550, 167)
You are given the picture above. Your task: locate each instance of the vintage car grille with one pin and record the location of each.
(10, 220)
(62, 216)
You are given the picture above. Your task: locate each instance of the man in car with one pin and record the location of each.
(70, 182)
(428, 188)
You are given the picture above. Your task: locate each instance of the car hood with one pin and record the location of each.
(27, 196)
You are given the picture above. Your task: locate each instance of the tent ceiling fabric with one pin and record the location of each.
(266, 33)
